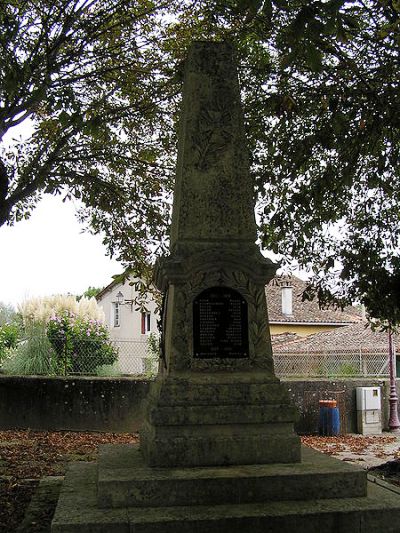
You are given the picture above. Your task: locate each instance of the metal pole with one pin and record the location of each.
(394, 423)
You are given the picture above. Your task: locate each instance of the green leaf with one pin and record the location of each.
(64, 119)
(267, 9)
(313, 57)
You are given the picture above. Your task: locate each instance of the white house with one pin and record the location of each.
(129, 326)
(288, 313)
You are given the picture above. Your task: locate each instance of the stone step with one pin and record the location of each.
(125, 481)
(220, 414)
(41, 508)
(77, 512)
(223, 444)
(220, 389)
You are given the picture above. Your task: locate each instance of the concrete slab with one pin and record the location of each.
(379, 512)
(38, 514)
(124, 480)
(77, 511)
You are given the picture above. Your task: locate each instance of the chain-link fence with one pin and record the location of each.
(102, 357)
(63, 355)
(357, 362)
(134, 356)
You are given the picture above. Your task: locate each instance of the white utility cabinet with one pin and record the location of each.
(369, 414)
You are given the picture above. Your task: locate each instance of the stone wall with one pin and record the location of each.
(306, 395)
(114, 404)
(71, 403)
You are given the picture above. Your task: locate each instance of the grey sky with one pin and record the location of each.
(48, 254)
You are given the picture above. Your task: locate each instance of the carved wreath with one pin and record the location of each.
(253, 294)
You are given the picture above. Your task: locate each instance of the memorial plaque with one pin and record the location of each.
(220, 327)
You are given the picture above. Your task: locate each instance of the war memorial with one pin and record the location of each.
(217, 451)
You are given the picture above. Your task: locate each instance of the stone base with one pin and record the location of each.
(217, 419)
(124, 480)
(320, 494)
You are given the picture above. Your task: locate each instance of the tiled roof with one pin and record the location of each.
(357, 336)
(303, 312)
(284, 338)
(307, 311)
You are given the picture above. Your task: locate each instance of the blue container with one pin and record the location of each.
(329, 420)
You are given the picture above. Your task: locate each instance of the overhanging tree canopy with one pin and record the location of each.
(100, 82)
(86, 75)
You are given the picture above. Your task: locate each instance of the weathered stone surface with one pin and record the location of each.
(217, 400)
(211, 449)
(40, 509)
(220, 388)
(221, 414)
(214, 194)
(226, 419)
(77, 512)
(186, 278)
(213, 229)
(379, 512)
(126, 481)
(78, 403)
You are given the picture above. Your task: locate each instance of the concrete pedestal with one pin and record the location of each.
(219, 419)
(121, 494)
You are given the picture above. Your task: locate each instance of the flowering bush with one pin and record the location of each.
(80, 344)
(43, 309)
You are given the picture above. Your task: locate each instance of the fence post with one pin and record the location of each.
(326, 362)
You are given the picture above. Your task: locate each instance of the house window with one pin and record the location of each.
(117, 315)
(145, 323)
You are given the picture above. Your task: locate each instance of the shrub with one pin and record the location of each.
(153, 355)
(32, 355)
(347, 370)
(9, 334)
(80, 345)
(108, 370)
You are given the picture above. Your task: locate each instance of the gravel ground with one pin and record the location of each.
(368, 451)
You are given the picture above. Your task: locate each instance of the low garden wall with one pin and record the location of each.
(71, 403)
(114, 404)
(306, 395)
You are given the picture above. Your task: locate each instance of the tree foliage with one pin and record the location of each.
(100, 83)
(85, 75)
(90, 292)
(329, 157)
(322, 102)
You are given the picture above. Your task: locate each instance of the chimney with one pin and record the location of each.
(287, 298)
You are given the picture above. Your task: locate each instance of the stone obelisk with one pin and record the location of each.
(216, 403)
(216, 399)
